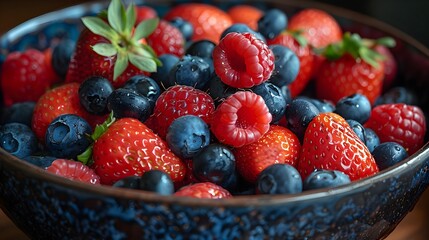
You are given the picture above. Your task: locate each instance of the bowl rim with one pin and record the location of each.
(237, 201)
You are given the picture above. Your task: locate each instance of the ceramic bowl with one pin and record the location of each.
(45, 206)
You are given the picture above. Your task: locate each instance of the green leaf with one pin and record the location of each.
(100, 27)
(149, 49)
(131, 18)
(86, 156)
(370, 56)
(299, 37)
(120, 65)
(142, 63)
(116, 15)
(105, 49)
(334, 51)
(386, 41)
(145, 28)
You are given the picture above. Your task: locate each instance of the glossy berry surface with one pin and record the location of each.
(324, 179)
(321, 105)
(388, 154)
(299, 113)
(61, 55)
(144, 86)
(286, 66)
(93, 94)
(242, 28)
(371, 139)
(202, 48)
(187, 135)
(273, 98)
(397, 95)
(130, 182)
(203, 190)
(272, 23)
(157, 181)
(19, 112)
(167, 38)
(67, 136)
(214, 163)
(358, 128)
(190, 71)
(356, 107)
(18, 139)
(162, 72)
(73, 170)
(219, 91)
(279, 179)
(125, 102)
(184, 27)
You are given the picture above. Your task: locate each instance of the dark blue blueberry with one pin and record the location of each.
(279, 179)
(215, 163)
(145, 86)
(398, 95)
(272, 23)
(274, 99)
(358, 129)
(61, 55)
(324, 179)
(130, 182)
(68, 136)
(242, 28)
(128, 103)
(187, 135)
(21, 112)
(388, 154)
(93, 94)
(157, 181)
(323, 105)
(18, 139)
(61, 30)
(286, 66)
(191, 71)
(40, 161)
(299, 113)
(201, 48)
(184, 26)
(218, 90)
(371, 139)
(163, 72)
(356, 107)
(287, 95)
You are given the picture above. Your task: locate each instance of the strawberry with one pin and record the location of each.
(390, 66)
(144, 13)
(400, 123)
(278, 145)
(203, 190)
(25, 76)
(208, 21)
(246, 14)
(73, 170)
(107, 47)
(331, 144)
(167, 39)
(127, 147)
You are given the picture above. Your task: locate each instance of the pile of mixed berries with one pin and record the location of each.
(210, 103)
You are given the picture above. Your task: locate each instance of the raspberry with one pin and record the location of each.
(241, 119)
(74, 170)
(243, 61)
(177, 101)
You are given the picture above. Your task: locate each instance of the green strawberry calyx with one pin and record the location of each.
(298, 36)
(357, 47)
(125, 39)
(86, 156)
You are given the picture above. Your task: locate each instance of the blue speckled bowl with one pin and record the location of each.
(45, 206)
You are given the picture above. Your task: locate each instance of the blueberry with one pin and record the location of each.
(323, 105)
(358, 129)
(67, 136)
(398, 95)
(130, 182)
(162, 72)
(218, 90)
(93, 94)
(274, 99)
(127, 103)
(215, 163)
(371, 139)
(324, 179)
(286, 65)
(18, 139)
(40, 161)
(61, 55)
(157, 181)
(388, 154)
(272, 23)
(242, 28)
(279, 179)
(145, 86)
(187, 135)
(287, 95)
(21, 112)
(184, 27)
(190, 71)
(356, 107)
(299, 113)
(201, 48)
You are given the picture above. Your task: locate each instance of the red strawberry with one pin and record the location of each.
(144, 13)
(203, 190)
(178, 101)
(167, 39)
(390, 65)
(400, 123)
(130, 148)
(25, 76)
(241, 119)
(246, 14)
(208, 21)
(305, 55)
(331, 144)
(243, 61)
(278, 145)
(107, 49)
(73, 170)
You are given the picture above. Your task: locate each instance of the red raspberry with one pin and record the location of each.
(73, 170)
(203, 190)
(166, 38)
(177, 101)
(400, 123)
(243, 61)
(241, 119)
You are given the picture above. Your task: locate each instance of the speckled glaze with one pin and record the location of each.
(45, 206)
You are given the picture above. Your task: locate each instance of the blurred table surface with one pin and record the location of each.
(414, 226)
